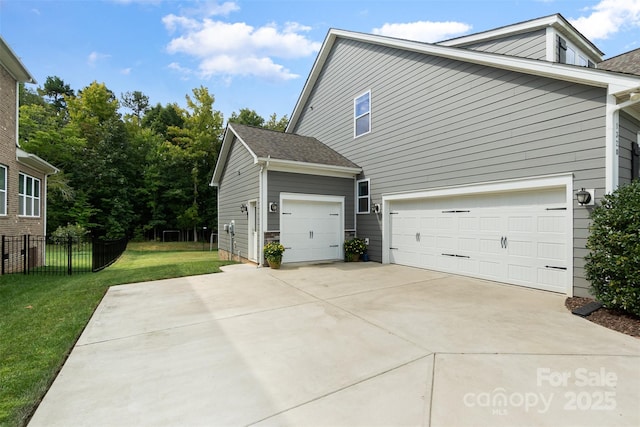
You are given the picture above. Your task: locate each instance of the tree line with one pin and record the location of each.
(131, 174)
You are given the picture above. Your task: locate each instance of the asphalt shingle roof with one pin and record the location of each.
(628, 62)
(287, 146)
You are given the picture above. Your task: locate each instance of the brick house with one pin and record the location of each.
(23, 176)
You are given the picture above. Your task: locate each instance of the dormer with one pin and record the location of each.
(551, 38)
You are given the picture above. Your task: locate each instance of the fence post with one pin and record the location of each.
(69, 255)
(23, 252)
(3, 252)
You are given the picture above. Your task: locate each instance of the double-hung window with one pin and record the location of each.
(363, 196)
(3, 190)
(28, 196)
(362, 114)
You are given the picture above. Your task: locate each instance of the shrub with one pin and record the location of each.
(273, 251)
(62, 234)
(613, 264)
(355, 246)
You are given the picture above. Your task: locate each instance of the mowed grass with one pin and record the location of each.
(41, 317)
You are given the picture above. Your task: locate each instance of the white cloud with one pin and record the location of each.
(228, 49)
(94, 57)
(126, 71)
(424, 31)
(607, 18)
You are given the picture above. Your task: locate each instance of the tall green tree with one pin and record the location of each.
(277, 124)
(137, 102)
(248, 117)
(104, 169)
(56, 91)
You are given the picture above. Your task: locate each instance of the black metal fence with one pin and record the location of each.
(45, 255)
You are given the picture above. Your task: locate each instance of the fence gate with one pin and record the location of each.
(30, 254)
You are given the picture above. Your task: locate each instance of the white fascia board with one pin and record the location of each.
(309, 168)
(311, 79)
(35, 162)
(227, 141)
(522, 27)
(553, 21)
(14, 66)
(572, 73)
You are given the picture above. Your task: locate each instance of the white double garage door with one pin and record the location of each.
(519, 237)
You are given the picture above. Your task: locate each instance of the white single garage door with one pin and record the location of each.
(514, 237)
(311, 230)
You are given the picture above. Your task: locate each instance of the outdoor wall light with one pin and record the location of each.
(585, 197)
(243, 208)
(377, 208)
(273, 207)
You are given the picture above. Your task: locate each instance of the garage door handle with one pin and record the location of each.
(503, 242)
(334, 246)
(555, 268)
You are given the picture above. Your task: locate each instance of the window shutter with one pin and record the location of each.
(562, 50)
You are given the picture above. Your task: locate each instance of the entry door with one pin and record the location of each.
(253, 231)
(311, 230)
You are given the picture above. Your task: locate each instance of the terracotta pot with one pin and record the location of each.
(275, 263)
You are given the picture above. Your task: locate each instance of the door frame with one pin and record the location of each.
(531, 183)
(253, 228)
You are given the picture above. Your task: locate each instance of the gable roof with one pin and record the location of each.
(556, 21)
(10, 61)
(628, 62)
(283, 151)
(583, 75)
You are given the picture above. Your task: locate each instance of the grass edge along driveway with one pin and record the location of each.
(42, 317)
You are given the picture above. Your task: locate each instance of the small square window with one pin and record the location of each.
(362, 114)
(364, 197)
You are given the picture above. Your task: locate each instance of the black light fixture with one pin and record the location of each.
(583, 197)
(243, 208)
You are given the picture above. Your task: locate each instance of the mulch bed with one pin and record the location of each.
(612, 319)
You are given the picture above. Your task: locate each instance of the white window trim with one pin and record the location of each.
(25, 198)
(356, 117)
(368, 196)
(4, 190)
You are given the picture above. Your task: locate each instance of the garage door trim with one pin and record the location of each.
(533, 183)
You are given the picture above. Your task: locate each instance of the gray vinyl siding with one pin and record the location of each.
(285, 182)
(235, 189)
(629, 128)
(438, 122)
(529, 45)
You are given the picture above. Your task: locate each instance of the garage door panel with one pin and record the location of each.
(500, 237)
(555, 252)
(311, 230)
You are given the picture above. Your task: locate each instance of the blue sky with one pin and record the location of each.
(255, 54)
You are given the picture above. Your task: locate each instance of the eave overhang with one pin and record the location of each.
(35, 162)
(11, 62)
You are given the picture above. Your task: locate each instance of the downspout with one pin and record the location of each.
(17, 114)
(264, 207)
(612, 144)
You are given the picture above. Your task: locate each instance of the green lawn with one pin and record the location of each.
(41, 317)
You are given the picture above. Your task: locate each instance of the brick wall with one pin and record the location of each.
(11, 224)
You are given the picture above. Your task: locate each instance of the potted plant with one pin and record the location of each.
(353, 248)
(273, 253)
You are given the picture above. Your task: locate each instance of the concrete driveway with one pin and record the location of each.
(357, 344)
